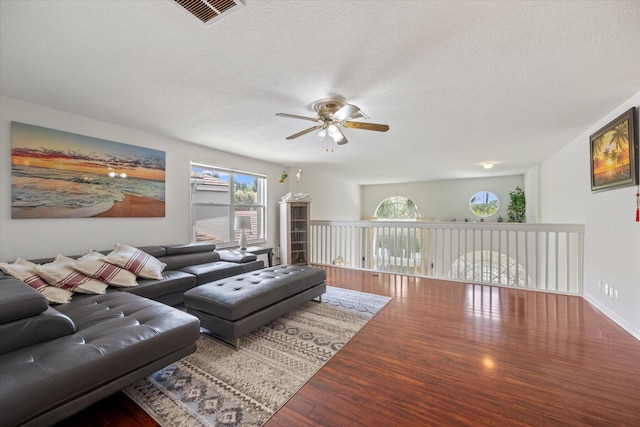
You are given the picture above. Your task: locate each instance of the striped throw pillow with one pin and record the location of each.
(136, 261)
(25, 270)
(92, 265)
(61, 274)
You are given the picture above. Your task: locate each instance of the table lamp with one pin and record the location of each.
(242, 223)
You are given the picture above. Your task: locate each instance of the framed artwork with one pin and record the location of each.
(56, 174)
(614, 154)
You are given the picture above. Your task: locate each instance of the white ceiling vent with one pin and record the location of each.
(210, 11)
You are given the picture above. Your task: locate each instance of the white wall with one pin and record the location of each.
(532, 194)
(33, 238)
(612, 237)
(443, 200)
(331, 198)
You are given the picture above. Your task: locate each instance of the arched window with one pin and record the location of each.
(396, 248)
(397, 207)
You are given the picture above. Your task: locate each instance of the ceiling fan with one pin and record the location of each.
(332, 115)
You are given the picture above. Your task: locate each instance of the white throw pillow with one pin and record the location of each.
(93, 266)
(133, 259)
(25, 270)
(61, 274)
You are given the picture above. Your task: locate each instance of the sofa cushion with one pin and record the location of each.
(136, 261)
(92, 265)
(26, 272)
(61, 274)
(212, 271)
(176, 262)
(172, 282)
(190, 248)
(45, 326)
(154, 251)
(17, 301)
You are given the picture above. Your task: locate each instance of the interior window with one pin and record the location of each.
(483, 204)
(396, 249)
(397, 207)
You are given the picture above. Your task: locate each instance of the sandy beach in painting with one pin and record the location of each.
(130, 206)
(135, 206)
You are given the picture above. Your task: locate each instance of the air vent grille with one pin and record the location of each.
(209, 11)
(221, 5)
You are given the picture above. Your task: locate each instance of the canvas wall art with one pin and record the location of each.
(56, 174)
(614, 154)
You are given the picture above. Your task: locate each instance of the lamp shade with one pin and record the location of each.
(242, 223)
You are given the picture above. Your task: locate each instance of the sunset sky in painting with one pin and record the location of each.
(47, 148)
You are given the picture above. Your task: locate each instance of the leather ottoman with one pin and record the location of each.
(232, 307)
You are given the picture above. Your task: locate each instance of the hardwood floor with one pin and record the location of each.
(445, 353)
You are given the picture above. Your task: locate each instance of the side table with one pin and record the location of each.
(260, 250)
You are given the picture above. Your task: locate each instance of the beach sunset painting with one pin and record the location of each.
(613, 154)
(56, 174)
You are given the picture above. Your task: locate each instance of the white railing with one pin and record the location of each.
(546, 257)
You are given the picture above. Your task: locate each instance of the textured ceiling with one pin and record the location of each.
(459, 83)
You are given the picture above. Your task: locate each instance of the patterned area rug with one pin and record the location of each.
(218, 386)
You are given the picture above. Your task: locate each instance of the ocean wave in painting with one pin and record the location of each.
(34, 187)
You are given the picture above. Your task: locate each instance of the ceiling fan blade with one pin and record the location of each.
(343, 141)
(304, 132)
(366, 126)
(359, 115)
(347, 111)
(293, 116)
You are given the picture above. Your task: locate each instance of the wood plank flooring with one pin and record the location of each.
(445, 353)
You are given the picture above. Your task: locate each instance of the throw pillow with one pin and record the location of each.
(61, 274)
(25, 270)
(133, 259)
(93, 266)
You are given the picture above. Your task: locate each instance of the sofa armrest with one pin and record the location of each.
(237, 256)
(19, 300)
(46, 326)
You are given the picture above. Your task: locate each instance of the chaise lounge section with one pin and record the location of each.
(55, 362)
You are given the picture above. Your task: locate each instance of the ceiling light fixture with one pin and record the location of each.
(332, 116)
(332, 135)
(335, 133)
(488, 165)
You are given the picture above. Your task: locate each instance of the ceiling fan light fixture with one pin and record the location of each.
(335, 133)
(332, 116)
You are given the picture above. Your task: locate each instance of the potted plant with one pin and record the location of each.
(517, 205)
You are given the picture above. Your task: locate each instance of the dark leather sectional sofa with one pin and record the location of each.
(57, 360)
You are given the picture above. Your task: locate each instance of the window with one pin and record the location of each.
(397, 207)
(483, 204)
(218, 196)
(396, 248)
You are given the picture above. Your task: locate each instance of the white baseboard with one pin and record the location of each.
(611, 315)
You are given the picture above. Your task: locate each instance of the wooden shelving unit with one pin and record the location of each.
(295, 233)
